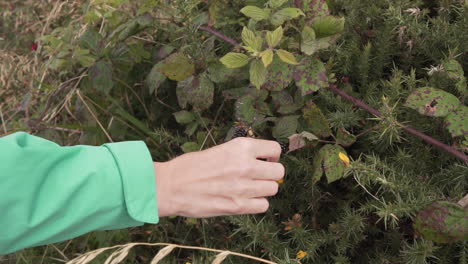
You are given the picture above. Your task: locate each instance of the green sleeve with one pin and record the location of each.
(50, 193)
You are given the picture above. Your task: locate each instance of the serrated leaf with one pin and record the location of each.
(155, 78)
(307, 41)
(177, 67)
(267, 57)
(218, 73)
(316, 45)
(255, 13)
(184, 117)
(310, 76)
(279, 75)
(453, 69)
(285, 14)
(234, 60)
(197, 91)
(332, 165)
(91, 39)
(191, 128)
(298, 141)
(190, 147)
(328, 26)
(432, 102)
(276, 3)
(344, 138)
(287, 57)
(442, 222)
(281, 98)
(316, 121)
(245, 111)
(457, 121)
(274, 38)
(313, 9)
(257, 73)
(285, 127)
(101, 76)
(249, 38)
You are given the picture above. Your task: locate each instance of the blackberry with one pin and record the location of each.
(239, 132)
(284, 147)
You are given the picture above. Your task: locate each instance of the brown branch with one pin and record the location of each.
(408, 129)
(219, 35)
(365, 106)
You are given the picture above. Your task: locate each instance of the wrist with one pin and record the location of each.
(163, 189)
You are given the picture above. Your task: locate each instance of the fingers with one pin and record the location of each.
(263, 149)
(262, 189)
(256, 206)
(269, 171)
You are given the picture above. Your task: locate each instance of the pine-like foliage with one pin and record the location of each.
(387, 50)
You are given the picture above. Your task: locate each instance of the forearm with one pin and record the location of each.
(50, 193)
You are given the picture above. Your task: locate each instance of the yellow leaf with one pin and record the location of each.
(267, 57)
(280, 181)
(344, 158)
(301, 254)
(287, 56)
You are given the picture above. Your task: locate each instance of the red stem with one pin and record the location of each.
(219, 35)
(408, 129)
(365, 106)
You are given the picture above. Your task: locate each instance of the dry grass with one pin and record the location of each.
(122, 251)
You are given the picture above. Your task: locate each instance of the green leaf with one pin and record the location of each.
(177, 67)
(279, 75)
(276, 3)
(287, 57)
(453, 69)
(245, 111)
(285, 14)
(313, 8)
(191, 128)
(257, 73)
(101, 76)
(310, 76)
(190, 147)
(267, 57)
(442, 222)
(316, 121)
(86, 60)
(333, 166)
(328, 26)
(308, 39)
(155, 78)
(91, 39)
(197, 91)
(311, 47)
(234, 60)
(344, 138)
(285, 127)
(249, 38)
(432, 102)
(281, 98)
(273, 38)
(255, 13)
(218, 73)
(184, 117)
(457, 121)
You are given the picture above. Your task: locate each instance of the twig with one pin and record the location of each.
(408, 129)
(94, 116)
(219, 35)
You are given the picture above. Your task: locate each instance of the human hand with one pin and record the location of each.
(227, 179)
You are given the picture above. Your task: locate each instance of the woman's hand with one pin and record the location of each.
(227, 179)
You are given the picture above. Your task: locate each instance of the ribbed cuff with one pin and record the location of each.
(138, 177)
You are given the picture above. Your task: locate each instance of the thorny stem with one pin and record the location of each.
(366, 107)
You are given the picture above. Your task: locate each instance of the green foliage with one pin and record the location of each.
(443, 222)
(148, 71)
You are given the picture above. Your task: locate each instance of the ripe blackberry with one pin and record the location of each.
(239, 132)
(284, 147)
